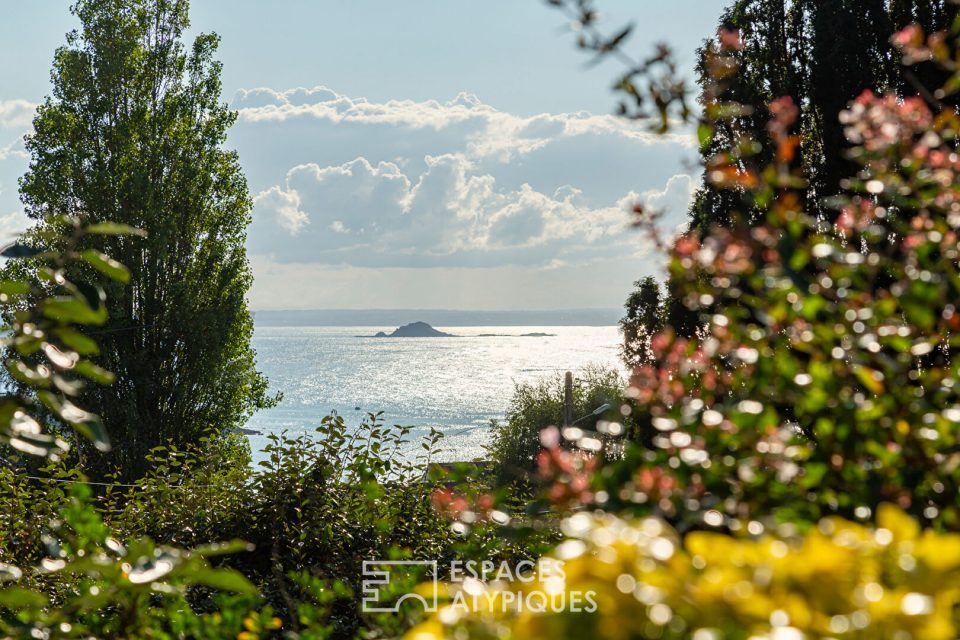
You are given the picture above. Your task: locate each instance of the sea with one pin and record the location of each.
(454, 384)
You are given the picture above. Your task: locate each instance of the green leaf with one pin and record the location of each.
(952, 85)
(95, 296)
(87, 424)
(869, 378)
(73, 310)
(67, 386)
(13, 287)
(19, 598)
(77, 341)
(106, 265)
(93, 430)
(92, 372)
(38, 444)
(223, 548)
(705, 133)
(113, 229)
(17, 250)
(222, 579)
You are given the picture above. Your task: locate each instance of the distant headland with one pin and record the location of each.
(414, 330)
(424, 330)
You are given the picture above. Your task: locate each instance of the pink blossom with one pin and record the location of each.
(731, 39)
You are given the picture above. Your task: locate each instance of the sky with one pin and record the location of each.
(417, 154)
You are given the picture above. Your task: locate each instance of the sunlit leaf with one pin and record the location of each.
(113, 229)
(65, 309)
(106, 265)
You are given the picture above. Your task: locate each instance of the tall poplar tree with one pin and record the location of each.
(133, 133)
(823, 54)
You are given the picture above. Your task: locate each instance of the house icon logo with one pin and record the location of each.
(377, 576)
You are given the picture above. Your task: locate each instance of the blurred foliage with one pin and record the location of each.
(819, 383)
(840, 580)
(45, 350)
(822, 379)
(82, 582)
(89, 584)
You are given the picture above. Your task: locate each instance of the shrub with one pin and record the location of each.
(90, 584)
(318, 506)
(821, 382)
(84, 582)
(516, 442)
(822, 379)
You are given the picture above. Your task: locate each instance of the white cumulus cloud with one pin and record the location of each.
(16, 113)
(368, 214)
(450, 195)
(487, 131)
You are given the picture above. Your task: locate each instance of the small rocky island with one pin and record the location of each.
(414, 330)
(424, 330)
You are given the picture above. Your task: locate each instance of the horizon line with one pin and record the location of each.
(447, 309)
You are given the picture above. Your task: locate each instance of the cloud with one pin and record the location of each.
(366, 214)
(673, 200)
(13, 150)
(16, 114)
(603, 156)
(346, 185)
(285, 207)
(431, 203)
(11, 225)
(488, 132)
(16, 117)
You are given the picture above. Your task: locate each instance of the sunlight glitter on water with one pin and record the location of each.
(455, 384)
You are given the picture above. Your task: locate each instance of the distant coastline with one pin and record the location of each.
(424, 330)
(438, 317)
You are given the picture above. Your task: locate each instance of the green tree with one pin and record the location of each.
(645, 309)
(822, 54)
(133, 133)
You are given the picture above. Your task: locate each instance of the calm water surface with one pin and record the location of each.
(454, 384)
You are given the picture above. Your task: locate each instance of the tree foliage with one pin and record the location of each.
(822, 54)
(133, 133)
(821, 383)
(645, 314)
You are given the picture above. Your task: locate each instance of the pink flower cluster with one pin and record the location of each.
(567, 474)
(880, 122)
(456, 506)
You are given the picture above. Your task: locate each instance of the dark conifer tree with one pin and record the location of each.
(823, 54)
